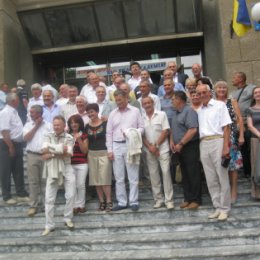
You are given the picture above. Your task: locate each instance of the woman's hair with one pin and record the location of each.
(76, 119)
(92, 106)
(253, 100)
(220, 83)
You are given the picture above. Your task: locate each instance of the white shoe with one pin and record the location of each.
(169, 205)
(47, 231)
(69, 224)
(157, 205)
(11, 202)
(223, 216)
(31, 212)
(214, 215)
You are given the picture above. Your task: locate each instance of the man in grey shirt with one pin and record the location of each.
(185, 142)
(243, 95)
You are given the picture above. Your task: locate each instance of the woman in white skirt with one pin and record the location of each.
(100, 168)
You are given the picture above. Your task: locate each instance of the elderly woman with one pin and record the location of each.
(236, 135)
(190, 85)
(100, 168)
(253, 122)
(79, 161)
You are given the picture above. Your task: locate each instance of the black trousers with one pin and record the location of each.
(191, 173)
(12, 166)
(245, 151)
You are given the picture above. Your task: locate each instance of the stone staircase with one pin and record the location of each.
(146, 234)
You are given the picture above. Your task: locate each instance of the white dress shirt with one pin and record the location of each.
(153, 128)
(10, 120)
(212, 118)
(35, 144)
(90, 93)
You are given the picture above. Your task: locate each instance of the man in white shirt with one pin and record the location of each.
(63, 95)
(81, 104)
(135, 80)
(36, 98)
(156, 144)
(11, 151)
(70, 108)
(214, 121)
(145, 89)
(33, 133)
(89, 90)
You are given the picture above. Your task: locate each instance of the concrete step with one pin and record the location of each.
(78, 243)
(239, 252)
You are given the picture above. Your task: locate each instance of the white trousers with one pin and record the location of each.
(216, 176)
(80, 171)
(51, 193)
(154, 164)
(119, 165)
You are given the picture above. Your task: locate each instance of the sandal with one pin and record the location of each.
(109, 206)
(102, 206)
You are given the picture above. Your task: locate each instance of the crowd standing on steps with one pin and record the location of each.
(125, 132)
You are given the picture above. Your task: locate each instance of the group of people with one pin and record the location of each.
(119, 131)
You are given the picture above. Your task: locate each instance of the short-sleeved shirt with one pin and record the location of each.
(35, 144)
(96, 136)
(182, 121)
(244, 98)
(166, 106)
(153, 128)
(254, 113)
(212, 118)
(79, 157)
(10, 120)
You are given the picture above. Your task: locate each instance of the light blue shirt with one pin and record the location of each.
(49, 114)
(177, 87)
(2, 99)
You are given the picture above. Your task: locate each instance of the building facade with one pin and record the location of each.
(39, 39)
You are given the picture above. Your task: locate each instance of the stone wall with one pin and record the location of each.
(240, 54)
(15, 55)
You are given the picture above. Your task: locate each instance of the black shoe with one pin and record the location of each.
(134, 207)
(118, 207)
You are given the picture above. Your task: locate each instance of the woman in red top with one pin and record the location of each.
(79, 160)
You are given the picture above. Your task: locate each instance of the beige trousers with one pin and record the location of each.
(216, 175)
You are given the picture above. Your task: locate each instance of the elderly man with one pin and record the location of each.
(131, 100)
(11, 151)
(33, 133)
(185, 142)
(145, 75)
(145, 88)
(57, 149)
(214, 121)
(120, 120)
(166, 100)
(81, 104)
(46, 86)
(105, 106)
(168, 74)
(70, 108)
(36, 98)
(63, 95)
(156, 130)
(113, 87)
(89, 90)
(177, 76)
(50, 110)
(243, 95)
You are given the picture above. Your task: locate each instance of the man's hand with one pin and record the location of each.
(111, 156)
(38, 121)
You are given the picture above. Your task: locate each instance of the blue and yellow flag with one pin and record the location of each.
(241, 19)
